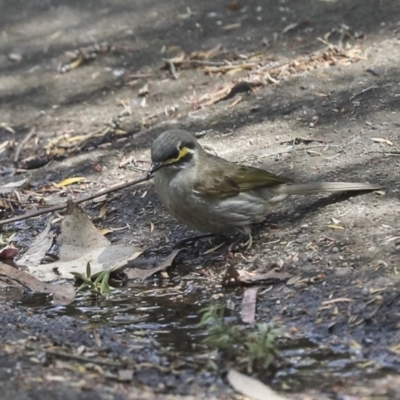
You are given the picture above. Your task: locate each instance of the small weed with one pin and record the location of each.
(6, 240)
(253, 346)
(96, 283)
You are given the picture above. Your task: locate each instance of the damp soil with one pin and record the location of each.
(340, 309)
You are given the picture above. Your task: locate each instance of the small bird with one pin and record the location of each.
(213, 195)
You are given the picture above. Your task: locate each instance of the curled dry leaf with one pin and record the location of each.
(334, 226)
(8, 253)
(38, 249)
(10, 187)
(142, 269)
(62, 294)
(82, 243)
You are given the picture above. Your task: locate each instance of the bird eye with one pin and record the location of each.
(182, 152)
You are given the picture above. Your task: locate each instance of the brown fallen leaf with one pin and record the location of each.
(8, 253)
(236, 277)
(248, 309)
(215, 97)
(232, 277)
(142, 269)
(62, 294)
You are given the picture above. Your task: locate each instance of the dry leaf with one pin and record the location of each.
(142, 269)
(82, 243)
(393, 238)
(103, 211)
(236, 277)
(11, 186)
(38, 249)
(62, 294)
(8, 253)
(382, 140)
(231, 26)
(248, 309)
(334, 226)
(250, 387)
(144, 91)
(69, 181)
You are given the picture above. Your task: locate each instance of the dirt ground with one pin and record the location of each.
(343, 251)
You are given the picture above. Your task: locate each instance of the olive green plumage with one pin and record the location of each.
(213, 195)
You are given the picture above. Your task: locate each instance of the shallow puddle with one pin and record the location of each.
(170, 317)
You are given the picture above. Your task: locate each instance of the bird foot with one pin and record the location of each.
(248, 243)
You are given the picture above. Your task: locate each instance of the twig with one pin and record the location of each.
(207, 63)
(171, 67)
(87, 198)
(226, 68)
(364, 91)
(23, 143)
(64, 354)
(386, 153)
(102, 132)
(294, 148)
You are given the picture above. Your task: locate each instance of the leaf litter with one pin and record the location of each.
(236, 277)
(85, 254)
(82, 243)
(62, 293)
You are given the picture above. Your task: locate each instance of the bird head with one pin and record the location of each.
(174, 149)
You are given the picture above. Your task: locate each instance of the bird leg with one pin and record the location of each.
(191, 240)
(248, 243)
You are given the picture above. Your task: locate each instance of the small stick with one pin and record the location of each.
(364, 91)
(114, 188)
(171, 67)
(23, 143)
(102, 131)
(64, 354)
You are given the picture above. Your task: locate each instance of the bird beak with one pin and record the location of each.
(155, 166)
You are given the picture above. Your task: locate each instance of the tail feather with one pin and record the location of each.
(321, 187)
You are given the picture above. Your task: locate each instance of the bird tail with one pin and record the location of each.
(322, 187)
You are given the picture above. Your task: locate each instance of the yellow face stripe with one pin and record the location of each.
(183, 152)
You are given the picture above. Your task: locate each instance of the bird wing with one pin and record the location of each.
(224, 179)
